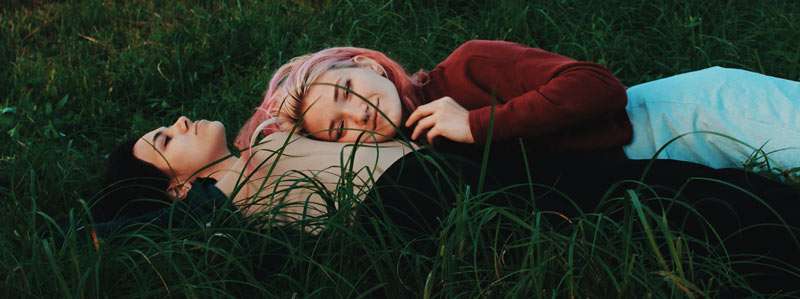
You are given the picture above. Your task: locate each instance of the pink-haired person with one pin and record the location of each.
(497, 91)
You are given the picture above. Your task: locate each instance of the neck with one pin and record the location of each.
(221, 168)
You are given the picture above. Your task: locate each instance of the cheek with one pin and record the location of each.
(314, 121)
(182, 163)
(317, 112)
(198, 153)
(218, 143)
(200, 157)
(396, 107)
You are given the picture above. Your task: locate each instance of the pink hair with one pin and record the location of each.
(291, 81)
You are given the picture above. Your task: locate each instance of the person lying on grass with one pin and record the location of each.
(720, 211)
(730, 117)
(178, 154)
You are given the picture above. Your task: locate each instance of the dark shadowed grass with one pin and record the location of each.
(78, 77)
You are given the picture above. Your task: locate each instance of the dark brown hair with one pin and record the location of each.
(132, 187)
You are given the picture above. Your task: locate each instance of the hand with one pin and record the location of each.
(443, 117)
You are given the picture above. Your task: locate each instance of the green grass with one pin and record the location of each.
(78, 77)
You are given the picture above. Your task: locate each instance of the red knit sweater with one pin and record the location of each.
(554, 102)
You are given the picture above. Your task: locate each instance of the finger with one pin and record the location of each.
(420, 112)
(424, 124)
(433, 133)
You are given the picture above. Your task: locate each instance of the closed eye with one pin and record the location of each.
(348, 87)
(167, 139)
(340, 130)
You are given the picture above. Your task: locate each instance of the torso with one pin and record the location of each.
(300, 170)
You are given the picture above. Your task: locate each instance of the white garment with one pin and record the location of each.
(753, 108)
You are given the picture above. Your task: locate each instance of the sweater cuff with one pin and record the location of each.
(476, 125)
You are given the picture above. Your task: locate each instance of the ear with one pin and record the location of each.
(179, 191)
(363, 61)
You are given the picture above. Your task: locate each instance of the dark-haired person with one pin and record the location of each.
(415, 189)
(556, 103)
(165, 163)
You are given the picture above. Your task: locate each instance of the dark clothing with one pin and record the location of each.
(201, 205)
(555, 101)
(421, 188)
(414, 193)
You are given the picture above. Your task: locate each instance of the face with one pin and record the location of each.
(335, 114)
(184, 147)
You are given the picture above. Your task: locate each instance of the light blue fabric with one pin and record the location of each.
(756, 109)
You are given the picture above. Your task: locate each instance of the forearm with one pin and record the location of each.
(581, 93)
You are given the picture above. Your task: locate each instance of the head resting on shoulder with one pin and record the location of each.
(148, 173)
(336, 93)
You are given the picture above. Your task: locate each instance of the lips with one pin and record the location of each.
(375, 115)
(197, 124)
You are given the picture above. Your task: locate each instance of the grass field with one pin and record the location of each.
(78, 77)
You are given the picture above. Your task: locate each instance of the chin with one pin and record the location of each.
(379, 139)
(217, 129)
(385, 136)
(218, 124)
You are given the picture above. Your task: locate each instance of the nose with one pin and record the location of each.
(358, 113)
(183, 124)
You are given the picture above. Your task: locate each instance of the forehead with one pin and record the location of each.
(325, 78)
(321, 92)
(144, 148)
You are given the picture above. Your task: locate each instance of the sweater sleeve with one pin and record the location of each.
(557, 93)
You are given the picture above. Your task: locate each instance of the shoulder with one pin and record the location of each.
(482, 44)
(291, 153)
(499, 50)
(483, 52)
(205, 194)
(489, 48)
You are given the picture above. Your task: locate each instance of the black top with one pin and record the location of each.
(415, 194)
(421, 187)
(203, 203)
(418, 191)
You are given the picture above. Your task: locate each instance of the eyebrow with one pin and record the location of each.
(336, 89)
(335, 99)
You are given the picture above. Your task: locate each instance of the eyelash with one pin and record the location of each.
(348, 86)
(340, 130)
(166, 140)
